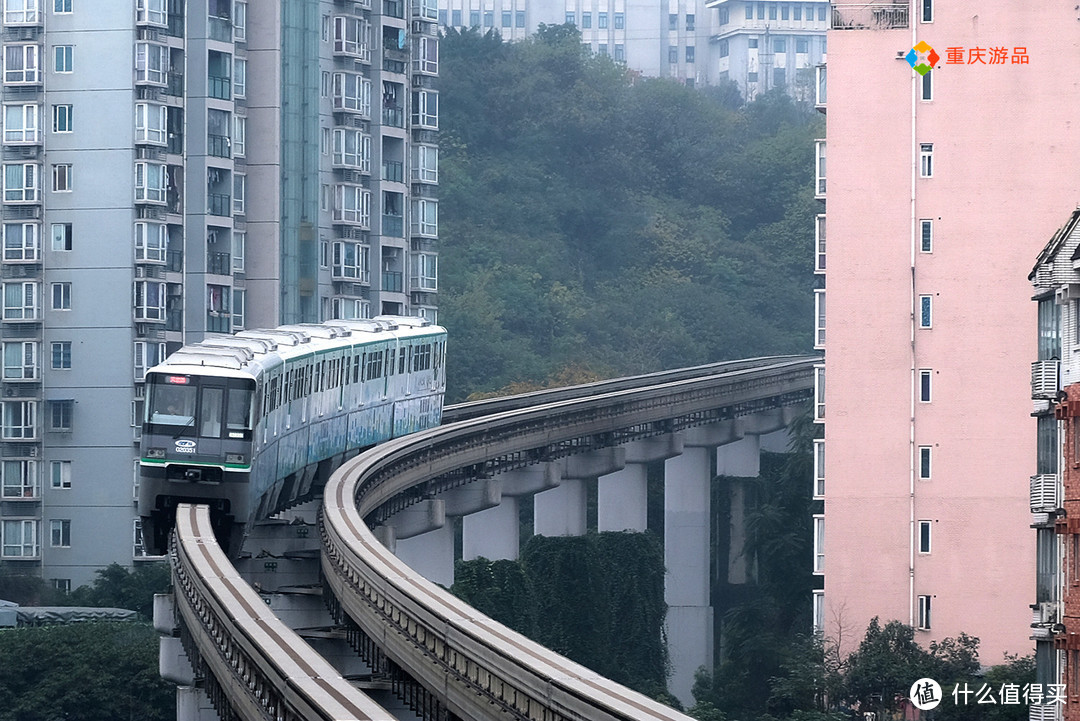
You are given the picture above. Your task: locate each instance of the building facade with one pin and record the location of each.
(173, 169)
(929, 438)
(759, 45)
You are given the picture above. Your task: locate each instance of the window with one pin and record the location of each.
(61, 236)
(819, 318)
(455, 18)
(239, 21)
(819, 243)
(749, 11)
(149, 300)
(352, 204)
(60, 533)
(426, 55)
(821, 15)
(779, 45)
(820, 168)
(819, 468)
(239, 198)
(489, 18)
(19, 539)
(1047, 446)
(620, 52)
(19, 420)
(673, 55)
(20, 241)
(926, 160)
(21, 123)
(61, 178)
(20, 360)
(779, 77)
(673, 21)
(507, 18)
(352, 92)
(150, 241)
(924, 613)
(586, 20)
(61, 354)
(802, 45)
(20, 301)
(238, 302)
(21, 11)
(796, 12)
(818, 612)
(926, 236)
(425, 109)
(819, 544)
(772, 10)
(924, 385)
(926, 305)
(689, 23)
(352, 149)
(425, 217)
(239, 79)
(351, 261)
(926, 11)
(151, 63)
(620, 21)
(21, 64)
(147, 354)
(689, 53)
(425, 272)
(60, 413)
(239, 247)
(150, 124)
(925, 454)
(752, 43)
(602, 49)
(927, 87)
(784, 12)
(61, 296)
(63, 58)
(150, 182)
(602, 20)
(324, 254)
(425, 163)
(60, 7)
(150, 11)
(722, 48)
(924, 536)
(819, 393)
(351, 308)
(19, 479)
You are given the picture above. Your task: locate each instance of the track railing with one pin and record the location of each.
(251, 665)
(477, 668)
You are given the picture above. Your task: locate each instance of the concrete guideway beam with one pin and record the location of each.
(621, 503)
(431, 554)
(493, 534)
(472, 498)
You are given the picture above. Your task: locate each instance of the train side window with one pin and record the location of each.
(363, 367)
(210, 412)
(238, 410)
(404, 361)
(390, 355)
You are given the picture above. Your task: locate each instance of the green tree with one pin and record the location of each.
(118, 587)
(83, 672)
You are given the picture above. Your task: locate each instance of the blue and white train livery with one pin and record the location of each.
(255, 422)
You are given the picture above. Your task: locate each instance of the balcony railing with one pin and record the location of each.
(218, 87)
(175, 26)
(219, 146)
(221, 29)
(174, 261)
(393, 171)
(394, 66)
(218, 322)
(174, 320)
(174, 84)
(218, 204)
(175, 144)
(218, 263)
(394, 8)
(392, 282)
(1044, 493)
(393, 225)
(870, 16)
(394, 117)
(1044, 379)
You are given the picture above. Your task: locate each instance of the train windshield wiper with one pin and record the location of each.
(183, 428)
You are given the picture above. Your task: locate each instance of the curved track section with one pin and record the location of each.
(254, 667)
(478, 668)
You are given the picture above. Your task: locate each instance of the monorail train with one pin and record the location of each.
(254, 422)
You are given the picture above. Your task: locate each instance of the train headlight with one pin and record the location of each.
(237, 458)
(155, 453)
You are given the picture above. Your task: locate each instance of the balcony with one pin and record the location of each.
(221, 29)
(394, 117)
(219, 87)
(174, 321)
(174, 261)
(393, 225)
(1044, 379)
(870, 16)
(218, 263)
(394, 8)
(1044, 493)
(175, 144)
(219, 204)
(219, 146)
(393, 171)
(394, 66)
(218, 322)
(175, 26)
(174, 85)
(392, 282)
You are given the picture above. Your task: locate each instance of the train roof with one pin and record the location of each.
(250, 352)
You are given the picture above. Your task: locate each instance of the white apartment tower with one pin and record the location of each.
(173, 168)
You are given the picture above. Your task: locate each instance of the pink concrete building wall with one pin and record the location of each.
(1006, 148)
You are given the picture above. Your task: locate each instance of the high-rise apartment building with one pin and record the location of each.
(759, 45)
(941, 189)
(173, 169)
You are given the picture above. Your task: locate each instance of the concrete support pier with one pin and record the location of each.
(431, 554)
(687, 516)
(563, 511)
(621, 503)
(493, 534)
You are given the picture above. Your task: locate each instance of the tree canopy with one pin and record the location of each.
(596, 220)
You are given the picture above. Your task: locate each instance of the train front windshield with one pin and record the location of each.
(193, 405)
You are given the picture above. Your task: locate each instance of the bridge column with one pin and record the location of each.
(494, 534)
(738, 461)
(621, 496)
(686, 555)
(192, 704)
(563, 511)
(430, 554)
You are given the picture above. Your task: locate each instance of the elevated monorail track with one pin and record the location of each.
(466, 665)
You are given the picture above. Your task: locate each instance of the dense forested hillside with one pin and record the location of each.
(596, 224)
